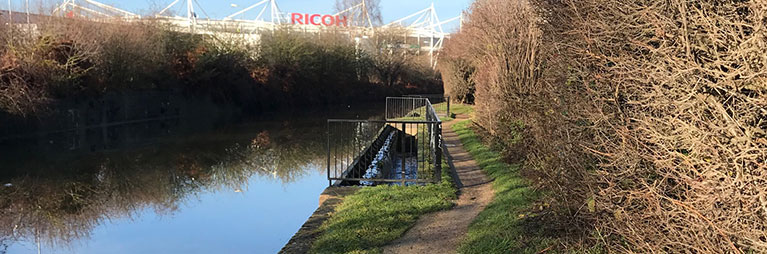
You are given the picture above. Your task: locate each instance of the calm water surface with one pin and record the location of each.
(171, 186)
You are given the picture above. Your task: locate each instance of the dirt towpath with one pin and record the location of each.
(442, 232)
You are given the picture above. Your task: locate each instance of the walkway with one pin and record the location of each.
(442, 232)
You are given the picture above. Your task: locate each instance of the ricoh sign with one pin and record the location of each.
(318, 20)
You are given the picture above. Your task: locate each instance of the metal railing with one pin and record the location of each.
(440, 102)
(405, 149)
(412, 108)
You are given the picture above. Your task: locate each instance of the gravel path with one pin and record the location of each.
(442, 232)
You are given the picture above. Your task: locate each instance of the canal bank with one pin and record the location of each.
(330, 199)
(443, 231)
(363, 219)
(373, 217)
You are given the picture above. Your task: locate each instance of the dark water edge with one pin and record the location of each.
(145, 106)
(193, 180)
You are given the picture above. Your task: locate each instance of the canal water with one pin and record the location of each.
(167, 186)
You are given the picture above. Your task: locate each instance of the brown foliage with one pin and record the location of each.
(646, 119)
(458, 79)
(73, 59)
(678, 119)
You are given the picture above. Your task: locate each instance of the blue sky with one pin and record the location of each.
(391, 9)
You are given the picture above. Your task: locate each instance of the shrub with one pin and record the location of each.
(74, 59)
(645, 120)
(678, 119)
(457, 77)
(71, 59)
(130, 57)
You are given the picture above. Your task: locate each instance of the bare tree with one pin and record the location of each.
(359, 16)
(389, 58)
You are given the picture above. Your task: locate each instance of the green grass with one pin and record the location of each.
(461, 109)
(375, 216)
(455, 109)
(409, 118)
(441, 108)
(499, 228)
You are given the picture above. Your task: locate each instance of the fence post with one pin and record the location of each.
(448, 107)
(330, 182)
(386, 110)
(438, 152)
(403, 134)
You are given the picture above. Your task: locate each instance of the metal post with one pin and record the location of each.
(10, 14)
(386, 110)
(191, 15)
(330, 182)
(448, 107)
(37, 241)
(274, 13)
(403, 134)
(418, 37)
(10, 21)
(438, 153)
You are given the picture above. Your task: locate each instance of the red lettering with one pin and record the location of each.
(317, 19)
(341, 20)
(296, 18)
(313, 18)
(325, 20)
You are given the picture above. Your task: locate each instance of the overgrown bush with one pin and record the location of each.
(35, 69)
(419, 74)
(66, 59)
(679, 120)
(130, 57)
(313, 67)
(457, 76)
(645, 120)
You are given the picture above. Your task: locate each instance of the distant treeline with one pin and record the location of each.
(64, 59)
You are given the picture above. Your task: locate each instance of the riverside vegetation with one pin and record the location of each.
(501, 227)
(71, 59)
(375, 216)
(642, 124)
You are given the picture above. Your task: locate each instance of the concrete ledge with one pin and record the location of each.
(302, 241)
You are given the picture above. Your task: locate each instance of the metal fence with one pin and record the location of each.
(413, 108)
(440, 102)
(406, 148)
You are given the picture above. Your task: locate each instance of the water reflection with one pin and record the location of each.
(56, 194)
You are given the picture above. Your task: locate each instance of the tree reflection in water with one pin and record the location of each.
(58, 197)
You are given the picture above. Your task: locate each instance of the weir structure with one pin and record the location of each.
(404, 149)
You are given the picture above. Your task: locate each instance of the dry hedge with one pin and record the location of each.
(646, 119)
(458, 73)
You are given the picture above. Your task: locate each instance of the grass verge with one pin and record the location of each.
(461, 109)
(375, 216)
(455, 109)
(500, 227)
